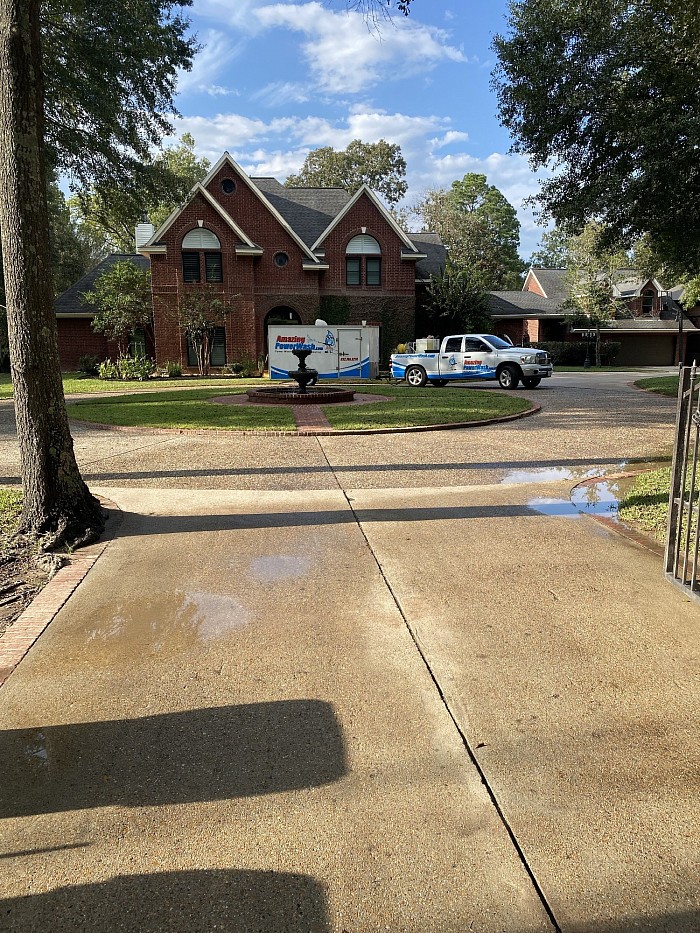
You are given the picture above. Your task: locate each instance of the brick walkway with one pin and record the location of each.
(310, 418)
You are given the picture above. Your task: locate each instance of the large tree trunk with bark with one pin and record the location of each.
(58, 506)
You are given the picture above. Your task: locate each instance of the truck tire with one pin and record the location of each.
(508, 377)
(439, 383)
(531, 382)
(416, 377)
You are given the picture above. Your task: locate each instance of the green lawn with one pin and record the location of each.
(191, 409)
(187, 408)
(646, 503)
(10, 508)
(662, 385)
(75, 384)
(423, 406)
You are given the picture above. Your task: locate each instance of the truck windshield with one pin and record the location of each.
(497, 343)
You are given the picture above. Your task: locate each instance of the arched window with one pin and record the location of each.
(201, 248)
(648, 302)
(363, 262)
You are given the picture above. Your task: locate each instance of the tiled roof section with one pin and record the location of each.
(432, 246)
(522, 304)
(70, 301)
(308, 211)
(553, 282)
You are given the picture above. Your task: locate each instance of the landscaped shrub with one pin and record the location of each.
(137, 368)
(108, 370)
(89, 365)
(564, 353)
(173, 369)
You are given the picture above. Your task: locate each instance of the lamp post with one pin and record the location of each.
(588, 335)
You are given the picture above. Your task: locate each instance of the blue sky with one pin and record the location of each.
(277, 79)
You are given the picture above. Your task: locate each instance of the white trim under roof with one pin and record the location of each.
(365, 189)
(315, 266)
(249, 251)
(415, 256)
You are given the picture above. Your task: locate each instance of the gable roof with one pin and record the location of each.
(552, 282)
(201, 187)
(70, 303)
(365, 190)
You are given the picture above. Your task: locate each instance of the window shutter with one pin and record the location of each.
(213, 267)
(190, 267)
(201, 238)
(363, 245)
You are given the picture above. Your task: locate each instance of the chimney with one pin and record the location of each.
(144, 232)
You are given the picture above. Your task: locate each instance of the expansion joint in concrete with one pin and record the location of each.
(450, 711)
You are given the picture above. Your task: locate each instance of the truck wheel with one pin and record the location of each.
(439, 383)
(508, 377)
(416, 377)
(532, 382)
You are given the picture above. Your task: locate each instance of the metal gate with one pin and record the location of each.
(682, 534)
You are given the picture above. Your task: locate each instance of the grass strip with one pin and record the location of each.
(10, 509)
(77, 384)
(188, 409)
(661, 385)
(645, 504)
(412, 407)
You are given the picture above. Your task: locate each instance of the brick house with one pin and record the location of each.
(648, 337)
(283, 254)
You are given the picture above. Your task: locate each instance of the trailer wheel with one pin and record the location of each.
(508, 377)
(416, 377)
(439, 383)
(531, 382)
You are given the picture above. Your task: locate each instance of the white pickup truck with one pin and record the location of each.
(471, 356)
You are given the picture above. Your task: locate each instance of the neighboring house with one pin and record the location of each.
(648, 337)
(74, 316)
(273, 254)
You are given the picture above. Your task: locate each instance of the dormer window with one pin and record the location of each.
(363, 262)
(201, 249)
(648, 302)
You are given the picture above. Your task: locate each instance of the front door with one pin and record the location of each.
(349, 352)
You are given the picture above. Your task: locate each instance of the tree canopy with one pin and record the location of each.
(455, 303)
(480, 228)
(379, 165)
(108, 214)
(122, 297)
(607, 91)
(110, 76)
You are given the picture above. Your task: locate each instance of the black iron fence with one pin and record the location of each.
(683, 531)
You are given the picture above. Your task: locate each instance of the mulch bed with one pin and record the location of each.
(23, 573)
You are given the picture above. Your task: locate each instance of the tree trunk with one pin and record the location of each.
(58, 506)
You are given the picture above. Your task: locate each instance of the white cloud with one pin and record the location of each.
(217, 53)
(346, 57)
(281, 94)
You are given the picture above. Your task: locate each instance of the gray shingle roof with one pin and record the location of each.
(522, 303)
(69, 302)
(553, 282)
(432, 246)
(308, 211)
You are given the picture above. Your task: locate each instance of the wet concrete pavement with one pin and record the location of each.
(361, 684)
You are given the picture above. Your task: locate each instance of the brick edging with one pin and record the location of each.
(323, 432)
(619, 527)
(43, 609)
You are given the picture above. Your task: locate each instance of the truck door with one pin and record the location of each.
(479, 359)
(452, 358)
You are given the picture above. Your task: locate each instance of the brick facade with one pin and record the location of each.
(254, 285)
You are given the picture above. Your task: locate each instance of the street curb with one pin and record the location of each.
(320, 432)
(620, 528)
(29, 625)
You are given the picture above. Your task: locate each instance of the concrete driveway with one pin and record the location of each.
(361, 683)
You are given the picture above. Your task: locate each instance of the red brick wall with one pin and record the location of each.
(532, 285)
(76, 338)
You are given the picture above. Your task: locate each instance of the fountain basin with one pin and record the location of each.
(290, 395)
